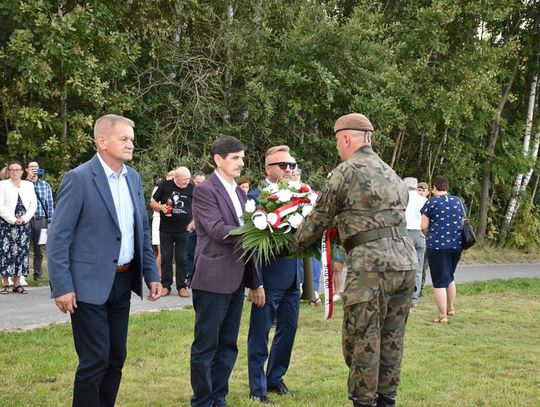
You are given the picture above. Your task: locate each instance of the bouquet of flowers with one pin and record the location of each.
(269, 226)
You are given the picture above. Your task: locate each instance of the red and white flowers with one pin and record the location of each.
(281, 206)
(269, 223)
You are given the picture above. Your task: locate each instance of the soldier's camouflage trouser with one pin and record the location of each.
(376, 307)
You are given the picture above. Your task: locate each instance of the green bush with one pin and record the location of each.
(525, 233)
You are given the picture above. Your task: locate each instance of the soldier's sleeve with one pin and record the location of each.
(326, 207)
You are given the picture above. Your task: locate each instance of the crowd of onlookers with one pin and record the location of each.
(27, 209)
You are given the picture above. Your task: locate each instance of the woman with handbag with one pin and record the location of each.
(18, 204)
(442, 218)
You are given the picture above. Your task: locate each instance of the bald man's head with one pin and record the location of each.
(182, 176)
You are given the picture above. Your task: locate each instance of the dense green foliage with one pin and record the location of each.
(430, 75)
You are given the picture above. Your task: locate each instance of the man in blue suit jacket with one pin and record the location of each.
(281, 279)
(99, 250)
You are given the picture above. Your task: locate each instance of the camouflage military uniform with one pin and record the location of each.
(362, 194)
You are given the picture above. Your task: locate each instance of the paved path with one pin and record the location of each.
(36, 308)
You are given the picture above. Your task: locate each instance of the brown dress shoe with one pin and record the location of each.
(165, 291)
(183, 292)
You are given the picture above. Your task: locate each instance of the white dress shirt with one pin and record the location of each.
(412, 213)
(231, 190)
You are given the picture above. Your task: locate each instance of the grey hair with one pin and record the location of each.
(411, 183)
(105, 124)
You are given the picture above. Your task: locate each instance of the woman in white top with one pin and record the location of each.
(17, 207)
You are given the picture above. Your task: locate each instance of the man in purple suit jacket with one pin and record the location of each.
(219, 276)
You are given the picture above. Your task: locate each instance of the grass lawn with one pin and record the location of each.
(484, 253)
(487, 355)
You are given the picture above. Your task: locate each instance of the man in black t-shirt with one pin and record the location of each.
(173, 200)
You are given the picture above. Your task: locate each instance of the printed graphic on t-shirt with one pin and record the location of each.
(178, 203)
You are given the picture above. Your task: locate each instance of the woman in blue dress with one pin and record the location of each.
(442, 218)
(17, 207)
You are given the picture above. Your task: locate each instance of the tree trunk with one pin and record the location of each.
(396, 148)
(227, 71)
(419, 157)
(533, 195)
(490, 153)
(431, 168)
(534, 157)
(259, 13)
(521, 182)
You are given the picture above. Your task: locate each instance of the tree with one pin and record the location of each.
(64, 65)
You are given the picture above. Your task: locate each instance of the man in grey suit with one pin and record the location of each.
(99, 250)
(219, 276)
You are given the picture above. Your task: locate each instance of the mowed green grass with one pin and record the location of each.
(487, 355)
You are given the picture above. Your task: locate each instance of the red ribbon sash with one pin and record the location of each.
(326, 268)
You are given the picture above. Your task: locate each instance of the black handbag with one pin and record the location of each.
(468, 237)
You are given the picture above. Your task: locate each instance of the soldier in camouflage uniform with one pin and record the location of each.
(368, 201)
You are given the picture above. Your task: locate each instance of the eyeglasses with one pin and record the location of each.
(283, 165)
(14, 169)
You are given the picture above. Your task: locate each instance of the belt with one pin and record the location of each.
(123, 268)
(40, 217)
(375, 234)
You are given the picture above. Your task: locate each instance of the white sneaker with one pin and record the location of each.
(336, 298)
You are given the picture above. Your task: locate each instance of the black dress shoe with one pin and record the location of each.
(261, 399)
(280, 389)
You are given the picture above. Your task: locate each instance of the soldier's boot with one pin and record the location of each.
(363, 404)
(386, 400)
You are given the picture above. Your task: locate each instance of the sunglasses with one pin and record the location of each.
(283, 165)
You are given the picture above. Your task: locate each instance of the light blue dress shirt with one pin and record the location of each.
(124, 211)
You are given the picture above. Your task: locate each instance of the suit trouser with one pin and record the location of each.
(173, 243)
(282, 304)
(376, 307)
(419, 242)
(190, 253)
(100, 334)
(214, 349)
(36, 224)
